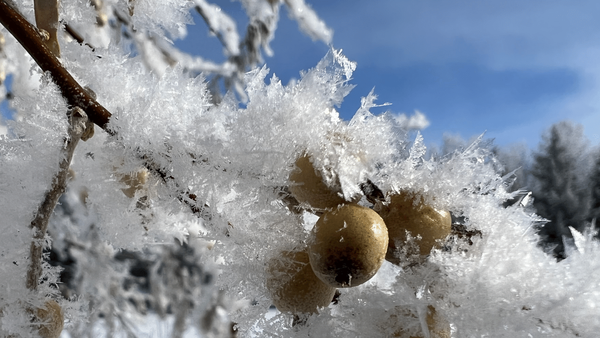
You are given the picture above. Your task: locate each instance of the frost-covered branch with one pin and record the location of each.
(195, 63)
(159, 54)
(308, 21)
(30, 38)
(78, 126)
(75, 95)
(232, 183)
(2, 60)
(221, 25)
(75, 35)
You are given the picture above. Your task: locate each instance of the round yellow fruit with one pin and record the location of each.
(293, 285)
(308, 187)
(348, 245)
(407, 213)
(50, 319)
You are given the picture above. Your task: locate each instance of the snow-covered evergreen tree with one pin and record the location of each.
(560, 188)
(515, 162)
(594, 185)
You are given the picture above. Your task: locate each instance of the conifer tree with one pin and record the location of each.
(594, 183)
(514, 160)
(560, 195)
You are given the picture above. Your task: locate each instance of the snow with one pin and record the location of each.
(150, 326)
(216, 174)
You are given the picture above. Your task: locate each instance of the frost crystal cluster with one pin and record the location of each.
(174, 208)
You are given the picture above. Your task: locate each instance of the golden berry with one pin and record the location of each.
(407, 213)
(308, 186)
(348, 245)
(293, 285)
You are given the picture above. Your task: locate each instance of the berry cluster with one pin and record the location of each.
(349, 243)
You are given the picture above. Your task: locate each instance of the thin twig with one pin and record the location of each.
(75, 35)
(76, 95)
(46, 19)
(29, 37)
(78, 120)
(217, 32)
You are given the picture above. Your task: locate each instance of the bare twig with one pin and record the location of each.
(76, 95)
(78, 120)
(221, 25)
(2, 60)
(29, 37)
(123, 19)
(46, 19)
(75, 35)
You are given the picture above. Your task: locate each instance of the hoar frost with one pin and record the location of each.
(502, 284)
(216, 180)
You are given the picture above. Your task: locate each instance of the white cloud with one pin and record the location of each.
(497, 35)
(418, 121)
(500, 34)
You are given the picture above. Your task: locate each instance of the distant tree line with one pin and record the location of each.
(563, 175)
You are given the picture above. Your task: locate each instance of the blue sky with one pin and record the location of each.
(508, 68)
(505, 67)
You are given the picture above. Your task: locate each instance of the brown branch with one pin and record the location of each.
(77, 126)
(29, 37)
(46, 19)
(77, 96)
(75, 35)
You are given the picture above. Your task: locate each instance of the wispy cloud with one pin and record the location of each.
(536, 61)
(418, 121)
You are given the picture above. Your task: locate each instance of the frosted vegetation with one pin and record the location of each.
(193, 184)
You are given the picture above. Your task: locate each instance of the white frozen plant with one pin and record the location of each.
(221, 25)
(216, 177)
(308, 20)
